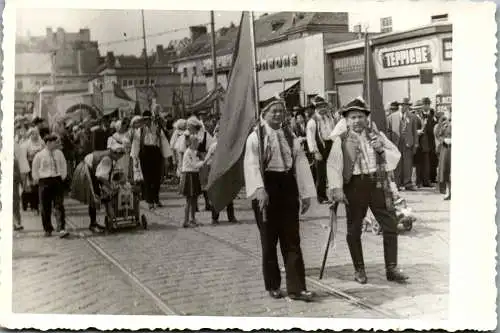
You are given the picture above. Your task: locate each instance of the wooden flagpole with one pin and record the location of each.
(256, 88)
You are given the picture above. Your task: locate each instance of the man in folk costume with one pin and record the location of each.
(151, 146)
(276, 193)
(358, 165)
(319, 128)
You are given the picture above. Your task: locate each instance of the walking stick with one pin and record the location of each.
(331, 235)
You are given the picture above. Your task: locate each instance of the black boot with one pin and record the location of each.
(356, 250)
(391, 259)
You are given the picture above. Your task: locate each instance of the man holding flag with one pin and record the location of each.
(285, 165)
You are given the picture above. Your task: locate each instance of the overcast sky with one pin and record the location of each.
(113, 25)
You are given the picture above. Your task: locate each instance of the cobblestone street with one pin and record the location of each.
(216, 270)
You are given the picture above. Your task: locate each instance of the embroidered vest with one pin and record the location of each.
(158, 137)
(350, 148)
(265, 153)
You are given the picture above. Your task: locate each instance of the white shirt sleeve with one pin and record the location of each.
(104, 168)
(311, 136)
(251, 166)
(335, 165)
(392, 154)
(62, 165)
(136, 144)
(36, 167)
(305, 181)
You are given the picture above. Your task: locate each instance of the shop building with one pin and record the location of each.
(415, 63)
(290, 54)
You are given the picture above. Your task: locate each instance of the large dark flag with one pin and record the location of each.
(237, 119)
(371, 89)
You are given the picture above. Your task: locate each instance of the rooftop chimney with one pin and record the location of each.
(197, 31)
(110, 59)
(159, 53)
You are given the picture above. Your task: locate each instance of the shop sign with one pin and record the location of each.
(277, 62)
(352, 64)
(405, 57)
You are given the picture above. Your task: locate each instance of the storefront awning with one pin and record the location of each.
(271, 89)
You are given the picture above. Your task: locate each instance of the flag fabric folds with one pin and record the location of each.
(237, 119)
(120, 93)
(371, 89)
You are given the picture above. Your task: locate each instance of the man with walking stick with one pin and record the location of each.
(357, 169)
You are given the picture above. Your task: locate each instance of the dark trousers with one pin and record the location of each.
(321, 178)
(51, 192)
(434, 161)
(281, 222)
(230, 213)
(152, 170)
(404, 169)
(362, 192)
(423, 168)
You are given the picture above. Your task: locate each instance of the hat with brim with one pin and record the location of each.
(418, 105)
(405, 101)
(318, 102)
(50, 137)
(146, 114)
(355, 105)
(394, 105)
(426, 101)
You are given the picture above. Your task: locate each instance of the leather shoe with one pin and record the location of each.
(360, 276)
(396, 275)
(305, 296)
(276, 294)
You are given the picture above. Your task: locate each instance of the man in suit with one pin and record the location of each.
(403, 132)
(430, 114)
(426, 147)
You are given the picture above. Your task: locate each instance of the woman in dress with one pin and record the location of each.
(29, 148)
(122, 137)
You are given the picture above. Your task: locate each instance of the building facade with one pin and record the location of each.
(414, 64)
(290, 52)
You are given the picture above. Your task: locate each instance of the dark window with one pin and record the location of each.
(194, 70)
(447, 49)
(141, 82)
(185, 72)
(19, 85)
(124, 83)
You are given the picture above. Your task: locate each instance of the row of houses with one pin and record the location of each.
(300, 55)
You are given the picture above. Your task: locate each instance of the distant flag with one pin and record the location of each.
(237, 119)
(371, 90)
(97, 97)
(120, 93)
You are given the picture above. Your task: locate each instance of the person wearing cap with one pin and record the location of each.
(393, 107)
(91, 175)
(49, 170)
(27, 152)
(426, 147)
(358, 167)
(319, 128)
(402, 130)
(430, 115)
(150, 146)
(277, 191)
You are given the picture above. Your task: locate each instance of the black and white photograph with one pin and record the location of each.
(240, 163)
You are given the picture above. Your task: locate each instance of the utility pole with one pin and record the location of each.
(53, 82)
(214, 61)
(145, 57)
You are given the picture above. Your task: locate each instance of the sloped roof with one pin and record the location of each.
(33, 63)
(268, 28)
(224, 43)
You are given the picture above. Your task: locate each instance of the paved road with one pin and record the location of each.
(215, 270)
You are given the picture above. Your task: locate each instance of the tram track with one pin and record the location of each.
(357, 302)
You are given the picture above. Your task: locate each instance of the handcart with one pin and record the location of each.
(122, 205)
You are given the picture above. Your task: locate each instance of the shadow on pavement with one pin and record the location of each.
(378, 290)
